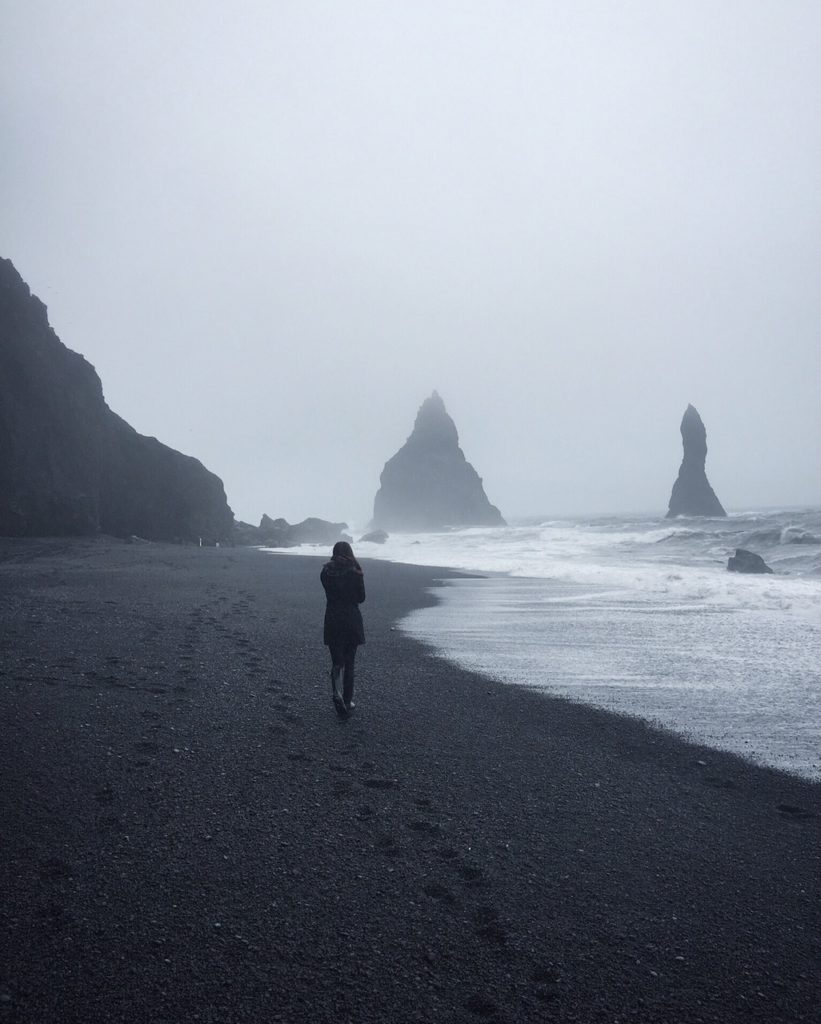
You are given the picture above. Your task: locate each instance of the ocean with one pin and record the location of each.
(639, 615)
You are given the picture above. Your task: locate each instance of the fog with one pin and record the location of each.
(275, 228)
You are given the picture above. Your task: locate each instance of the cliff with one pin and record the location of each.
(68, 464)
(429, 484)
(692, 494)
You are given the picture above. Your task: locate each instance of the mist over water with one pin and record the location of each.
(640, 616)
(274, 231)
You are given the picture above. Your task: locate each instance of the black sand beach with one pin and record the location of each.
(188, 832)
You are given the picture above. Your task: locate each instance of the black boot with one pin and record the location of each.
(336, 696)
(347, 689)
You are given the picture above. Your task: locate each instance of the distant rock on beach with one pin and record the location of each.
(692, 494)
(68, 464)
(429, 484)
(279, 533)
(374, 537)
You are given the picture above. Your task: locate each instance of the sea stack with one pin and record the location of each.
(692, 494)
(68, 464)
(429, 484)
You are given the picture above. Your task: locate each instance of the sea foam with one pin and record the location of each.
(640, 616)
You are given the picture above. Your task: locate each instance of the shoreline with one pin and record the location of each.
(703, 701)
(187, 828)
(498, 628)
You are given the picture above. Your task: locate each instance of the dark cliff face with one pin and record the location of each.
(429, 484)
(153, 491)
(68, 465)
(692, 494)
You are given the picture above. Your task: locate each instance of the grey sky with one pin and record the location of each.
(274, 228)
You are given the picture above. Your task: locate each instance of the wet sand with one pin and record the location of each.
(188, 832)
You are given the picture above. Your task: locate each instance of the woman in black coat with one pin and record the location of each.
(344, 584)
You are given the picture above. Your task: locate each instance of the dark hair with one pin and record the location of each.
(343, 548)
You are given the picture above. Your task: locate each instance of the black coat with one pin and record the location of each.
(345, 591)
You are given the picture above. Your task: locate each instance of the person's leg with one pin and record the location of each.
(350, 655)
(337, 667)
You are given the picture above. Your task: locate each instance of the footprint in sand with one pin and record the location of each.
(482, 1006)
(793, 813)
(441, 893)
(717, 783)
(388, 845)
(380, 783)
(53, 869)
(546, 982)
(424, 827)
(471, 875)
(58, 918)
(488, 927)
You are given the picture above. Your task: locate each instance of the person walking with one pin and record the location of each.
(344, 584)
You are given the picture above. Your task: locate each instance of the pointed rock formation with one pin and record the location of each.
(429, 484)
(68, 464)
(692, 494)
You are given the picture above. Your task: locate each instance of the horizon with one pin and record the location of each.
(534, 519)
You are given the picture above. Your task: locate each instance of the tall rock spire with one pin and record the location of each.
(692, 494)
(428, 484)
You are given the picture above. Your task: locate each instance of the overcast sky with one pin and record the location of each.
(274, 228)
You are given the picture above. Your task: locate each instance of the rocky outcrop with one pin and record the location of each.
(68, 464)
(374, 537)
(429, 484)
(274, 533)
(245, 534)
(279, 533)
(692, 494)
(747, 561)
(319, 531)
